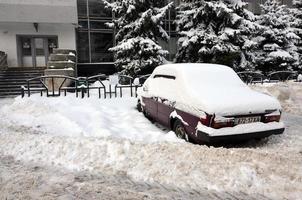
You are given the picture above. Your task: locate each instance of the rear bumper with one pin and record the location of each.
(204, 137)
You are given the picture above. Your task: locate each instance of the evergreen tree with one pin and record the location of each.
(215, 32)
(274, 48)
(139, 27)
(296, 24)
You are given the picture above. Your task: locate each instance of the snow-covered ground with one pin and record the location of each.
(110, 137)
(289, 94)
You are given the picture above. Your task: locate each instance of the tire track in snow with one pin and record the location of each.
(29, 181)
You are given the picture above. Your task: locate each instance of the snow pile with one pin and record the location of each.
(263, 170)
(110, 136)
(289, 94)
(69, 116)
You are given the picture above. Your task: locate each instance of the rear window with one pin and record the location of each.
(164, 76)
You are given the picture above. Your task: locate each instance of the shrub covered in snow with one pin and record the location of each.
(139, 27)
(214, 31)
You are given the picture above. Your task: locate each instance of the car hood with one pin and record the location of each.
(235, 101)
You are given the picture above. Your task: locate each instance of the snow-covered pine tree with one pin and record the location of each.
(296, 25)
(275, 49)
(215, 31)
(139, 27)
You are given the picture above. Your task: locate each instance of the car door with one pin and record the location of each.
(165, 108)
(151, 106)
(166, 99)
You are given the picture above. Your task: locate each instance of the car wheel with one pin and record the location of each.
(180, 130)
(139, 106)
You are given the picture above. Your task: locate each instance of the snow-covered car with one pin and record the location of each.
(207, 103)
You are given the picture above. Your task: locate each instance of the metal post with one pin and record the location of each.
(28, 89)
(115, 91)
(110, 91)
(22, 92)
(53, 87)
(88, 93)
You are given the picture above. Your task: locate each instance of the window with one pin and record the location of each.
(82, 8)
(100, 44)
(83, 47)
(52, 44)
(98, 24)
(97, 10)
(164, 76)
(26, 46)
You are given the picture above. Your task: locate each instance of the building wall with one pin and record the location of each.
(9, 32)
(39, 11)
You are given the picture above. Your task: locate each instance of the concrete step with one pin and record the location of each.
(61, 57)
(15, 80)
(19, 75)
(3, 90)
(11, 80)
(64, 51)
(14, 84)
(10, 93)
(8, 96)
(60, 65)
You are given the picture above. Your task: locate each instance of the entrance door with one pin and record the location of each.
(34, 50)
(40, 59)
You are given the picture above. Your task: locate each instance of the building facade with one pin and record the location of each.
(31, 29)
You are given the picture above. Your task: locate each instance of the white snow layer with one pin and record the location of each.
(289, 94)
(69, 116)
(104, 136)
(215, 89)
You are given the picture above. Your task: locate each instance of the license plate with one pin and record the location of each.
(247, 120)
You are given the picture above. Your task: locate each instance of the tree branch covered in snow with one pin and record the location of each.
(214, 31)
(139, 27)
(274, 47)
(296, 26)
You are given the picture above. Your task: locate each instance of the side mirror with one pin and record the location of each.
(136, 82)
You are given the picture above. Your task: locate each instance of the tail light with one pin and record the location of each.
(206, 119)
(222, 122)
(216, 121)
(271, 118)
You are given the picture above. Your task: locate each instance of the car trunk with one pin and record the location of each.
(240, 101)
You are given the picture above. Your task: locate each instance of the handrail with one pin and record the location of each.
(3, 60)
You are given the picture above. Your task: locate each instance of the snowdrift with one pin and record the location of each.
(110, 136)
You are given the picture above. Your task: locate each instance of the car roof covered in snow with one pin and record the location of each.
(212, 88)
(174, 69)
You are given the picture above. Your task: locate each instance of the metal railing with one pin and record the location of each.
(55, 85)
(273, 77)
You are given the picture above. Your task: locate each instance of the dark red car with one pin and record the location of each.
(208, 103)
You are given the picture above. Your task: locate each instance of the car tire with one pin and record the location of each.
(139, 106)
(180, 131)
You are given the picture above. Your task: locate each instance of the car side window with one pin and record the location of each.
(164, 87)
